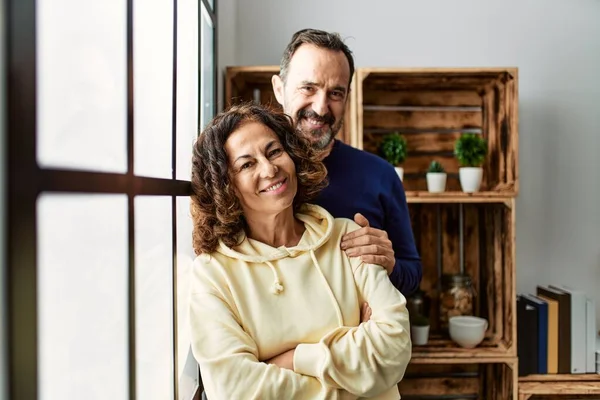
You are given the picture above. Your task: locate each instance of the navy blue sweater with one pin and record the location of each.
(363, 182)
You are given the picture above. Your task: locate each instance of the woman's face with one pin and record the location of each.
(263, 174)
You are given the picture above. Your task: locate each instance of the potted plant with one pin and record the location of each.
(393, 149)
(470, 149)
(436, 177)
(419, 330)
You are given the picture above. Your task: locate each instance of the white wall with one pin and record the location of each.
(556, 46)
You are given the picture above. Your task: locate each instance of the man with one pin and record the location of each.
(313, 87)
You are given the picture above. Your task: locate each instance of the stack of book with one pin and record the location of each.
(556, 332)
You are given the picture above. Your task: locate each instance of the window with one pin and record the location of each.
(104, 102)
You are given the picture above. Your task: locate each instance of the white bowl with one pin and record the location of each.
(467, 331)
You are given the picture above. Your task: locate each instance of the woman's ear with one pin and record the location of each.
(277, 84)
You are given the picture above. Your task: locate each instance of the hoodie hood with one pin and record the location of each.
(318, 225)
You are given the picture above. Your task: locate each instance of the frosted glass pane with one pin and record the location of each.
(154, 297)
(187, 85)
(82, 84)
(207, 78)
(153, 94)
(187, 366)
(82, 297)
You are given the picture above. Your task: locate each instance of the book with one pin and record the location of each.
(578, 329)
(564, 326)
(542, 331)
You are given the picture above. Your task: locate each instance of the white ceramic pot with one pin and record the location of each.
(470, 178)
(419, 335)
(436, 182)
(400, 172)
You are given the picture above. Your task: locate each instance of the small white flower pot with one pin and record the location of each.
(400, 172)
(470, 178)
(419, 335)
(436, 182)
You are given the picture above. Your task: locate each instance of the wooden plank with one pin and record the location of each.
(420, 370)
(422, 98)
(487, 291)
(558, 378)
(490, 165)
(428, 252)
(420, 142)
(498, 286)
(422, 119)
(513, 159)
(510, 304)
(562, 388)
(450, 247)
(439, 386)
(471, 248)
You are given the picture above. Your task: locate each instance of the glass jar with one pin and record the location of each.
(456, 297)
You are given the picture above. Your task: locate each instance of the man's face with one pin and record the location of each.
(315, 93)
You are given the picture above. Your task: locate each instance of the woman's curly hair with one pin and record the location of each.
(215, 208)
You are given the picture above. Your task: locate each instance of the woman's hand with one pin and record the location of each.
(365, 312)
(284, 360)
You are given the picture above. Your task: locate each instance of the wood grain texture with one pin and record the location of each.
(398, 120)
(456, 98)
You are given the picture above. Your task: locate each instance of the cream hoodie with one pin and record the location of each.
(253, 302)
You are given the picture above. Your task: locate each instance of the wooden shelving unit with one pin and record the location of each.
(455, 232)
(551, 387)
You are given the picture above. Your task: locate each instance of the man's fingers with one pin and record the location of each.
(363, 240)
(373, 259)
(366, 231)
(375, 249)
(361, 220)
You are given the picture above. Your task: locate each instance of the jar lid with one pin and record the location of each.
(456, 279)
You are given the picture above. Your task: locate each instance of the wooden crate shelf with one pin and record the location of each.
(423, 197)
(550, 387)
(431, 108)
(253, 83)
(493, 380)
(476, 239)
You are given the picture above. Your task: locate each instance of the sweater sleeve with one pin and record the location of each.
(407, 273)
(368, 359)
(228, 356)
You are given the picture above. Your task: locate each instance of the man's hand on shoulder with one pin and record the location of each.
(371, 244)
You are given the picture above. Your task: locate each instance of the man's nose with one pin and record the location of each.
(320, 104)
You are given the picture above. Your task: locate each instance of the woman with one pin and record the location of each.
(275, 302)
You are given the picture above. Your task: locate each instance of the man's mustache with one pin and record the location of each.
(327, 118)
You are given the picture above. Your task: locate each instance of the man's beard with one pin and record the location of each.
(319, 138)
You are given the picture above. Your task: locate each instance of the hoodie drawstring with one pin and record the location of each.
(331, 295)
(276, 287)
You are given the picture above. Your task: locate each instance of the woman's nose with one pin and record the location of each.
(268, 169)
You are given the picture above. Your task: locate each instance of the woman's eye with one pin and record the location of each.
(275, 152)
(246, 165)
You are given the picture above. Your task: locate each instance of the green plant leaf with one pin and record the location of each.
(393, 148)
(470, 149)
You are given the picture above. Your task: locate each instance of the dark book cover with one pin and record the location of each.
(542, 342)
(527, 333)
(564, 326)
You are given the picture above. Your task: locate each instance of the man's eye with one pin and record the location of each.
(337, 95)
(306, 88)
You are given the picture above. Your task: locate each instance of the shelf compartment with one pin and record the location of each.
(488, 380)
(476, 239)
(432, 108)
(580, 386)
